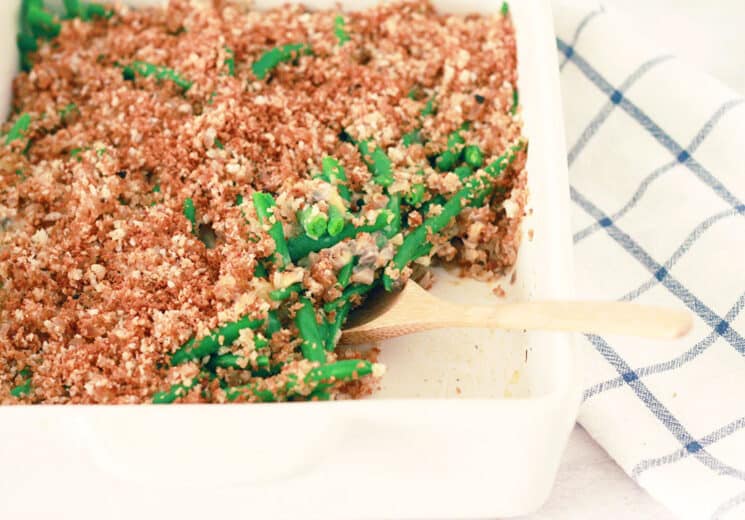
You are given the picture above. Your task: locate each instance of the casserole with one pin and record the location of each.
(467, 423)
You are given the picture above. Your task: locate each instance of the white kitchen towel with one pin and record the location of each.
(656, 152)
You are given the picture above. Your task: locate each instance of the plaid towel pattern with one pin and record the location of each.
(655, 152)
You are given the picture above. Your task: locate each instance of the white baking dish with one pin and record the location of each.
(467, 424)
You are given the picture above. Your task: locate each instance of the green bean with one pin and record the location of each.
(175, 392)
(268, 372)
(231, 361)
(429, 108)
(382, 169)
(413, 242)
(301, 246)
(190, 212)
(26, 42)
(93, 10)
(359, 289)
(260, 271)
(340, 30)
(43, 24)
(273, 324)
(345, 370)
(273, 57)
(230, 61)
(455, 139)
(72, 8)
(25, 6)
(290, 384)
(515, 101)
(208, 345)
(378, 163)
(480, 198)
(26, 63)
(146, 69)
(263, 202)
(319, 394)
(500, 163)
(26, 38)
(446, 161)
(289, 388)
(334, 327)
(305, 320)
(407, 252)
(263, 395)
(237, 362)
(319, 380)
(482, 194)
(416, 195)
(333, 173)
(279, 295)
(324, 328)
(22, 389)
(438, 200)
(424, 250)
(345, 273)
(394, 206)
(463, 171)
(333, 169)
(25, 387)
(18, 130)
(314, 222)
(415, 136)
(473, 156)
(260, 341)
(344, 192)
(336, 221)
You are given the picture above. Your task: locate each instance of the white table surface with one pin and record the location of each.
(710, 35)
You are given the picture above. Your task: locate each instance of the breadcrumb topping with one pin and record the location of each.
(103, 277)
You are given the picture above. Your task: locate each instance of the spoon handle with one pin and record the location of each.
(591, 317)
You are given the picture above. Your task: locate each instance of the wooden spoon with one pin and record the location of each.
(391, 314)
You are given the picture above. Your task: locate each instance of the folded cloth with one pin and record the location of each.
(655, 152)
